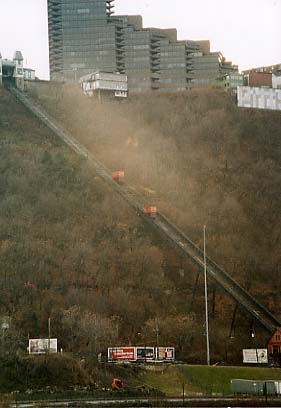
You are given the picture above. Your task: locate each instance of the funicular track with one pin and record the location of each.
(160, 222)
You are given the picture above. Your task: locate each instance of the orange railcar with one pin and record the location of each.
(118, 175)
(150, 209)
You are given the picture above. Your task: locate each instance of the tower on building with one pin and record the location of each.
(18, 72)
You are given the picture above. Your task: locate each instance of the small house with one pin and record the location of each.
(274, 346)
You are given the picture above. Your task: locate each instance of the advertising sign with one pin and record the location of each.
(260, 98)
(165, 353)
(43, 346)
(145, 353)
(140, 354)
(121, 354)
(255, 356)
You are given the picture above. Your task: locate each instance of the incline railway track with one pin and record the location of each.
(167, 228)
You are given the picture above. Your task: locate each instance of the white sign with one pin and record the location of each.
(43, 346)
(260, 98)
(165, 353)
(121, 94)
(255, 356)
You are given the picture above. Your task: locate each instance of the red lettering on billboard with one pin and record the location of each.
(125, 353)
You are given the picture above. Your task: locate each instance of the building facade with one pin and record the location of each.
(270, 76)
(12, 69)
(272, 69)
(85, 36)
(231, 81)
(0, 68)
(274, 346)
(105, 83)
(276, 81)
(258, 79)
(29, 74)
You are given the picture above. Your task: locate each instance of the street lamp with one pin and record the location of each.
(206, 299)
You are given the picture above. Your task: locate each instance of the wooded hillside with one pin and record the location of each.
(74, 251)
(200, 159)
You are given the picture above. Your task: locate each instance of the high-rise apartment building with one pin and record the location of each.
(80, 37)
(86, 36)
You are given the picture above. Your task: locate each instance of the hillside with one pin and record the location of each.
(74, 251)
(202, 161)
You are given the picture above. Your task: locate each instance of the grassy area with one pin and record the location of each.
(153, 382)
(202, 380)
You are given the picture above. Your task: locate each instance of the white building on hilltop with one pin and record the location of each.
(106, 83)
(276, 81)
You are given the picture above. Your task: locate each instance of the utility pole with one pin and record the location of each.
(206, 299)
(49, 334)
(157, 332)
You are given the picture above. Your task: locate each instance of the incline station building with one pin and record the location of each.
(86, 37)
(13, 70)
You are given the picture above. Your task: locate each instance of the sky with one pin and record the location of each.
(247, 32)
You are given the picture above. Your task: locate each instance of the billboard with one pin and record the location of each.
(140, 354)
(43, 346)
(255, 356)
(165, 354)
(260, 98)
(121, 353)
(145, 354)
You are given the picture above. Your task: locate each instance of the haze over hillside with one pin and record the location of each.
(72, 250)
(200, 159)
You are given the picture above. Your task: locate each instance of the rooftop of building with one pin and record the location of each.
(18, 56)
(276, 68)
(8, 63)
